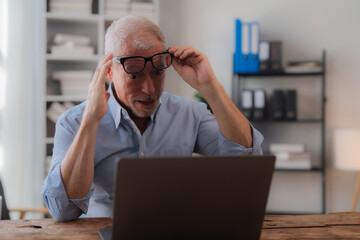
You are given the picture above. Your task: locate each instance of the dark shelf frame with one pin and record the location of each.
(300, 170)
(280, 74)
(290, 121)
(236, 96)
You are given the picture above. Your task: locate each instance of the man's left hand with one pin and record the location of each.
(193, 66)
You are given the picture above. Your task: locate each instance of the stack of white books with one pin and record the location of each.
(70, 6)
(56, 109)
(310, 66)
(48, 164)
(117, 8)
(145, 9)
(74, 82)
(71, 45)
(291, 156)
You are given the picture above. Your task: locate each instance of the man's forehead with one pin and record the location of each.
(140, 45)
(128, 51)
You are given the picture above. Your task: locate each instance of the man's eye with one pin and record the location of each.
(158, 72)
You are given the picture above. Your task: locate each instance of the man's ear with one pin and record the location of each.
(109, 74)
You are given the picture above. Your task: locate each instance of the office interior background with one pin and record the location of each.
(305, 28)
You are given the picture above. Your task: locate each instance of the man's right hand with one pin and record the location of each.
(77, 168)
(96, 103)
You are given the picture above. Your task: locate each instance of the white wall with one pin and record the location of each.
(305, 28)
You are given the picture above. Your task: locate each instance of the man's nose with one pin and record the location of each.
(148, 86)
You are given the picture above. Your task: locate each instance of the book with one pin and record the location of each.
(54, 111)
(71, 74)
(286, 147)
(302, 69)
(303, 66)
(71, 51)
(68, 105)
(289, 156)
(77, 40)
(301, 164)
(70, 6)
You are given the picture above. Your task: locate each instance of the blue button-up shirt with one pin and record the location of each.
(179, 127)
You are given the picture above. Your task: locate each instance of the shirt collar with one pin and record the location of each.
(118, 112)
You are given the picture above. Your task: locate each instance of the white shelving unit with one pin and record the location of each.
(94, 26)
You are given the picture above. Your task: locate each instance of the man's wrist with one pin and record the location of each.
(89, 122)
(211, 91)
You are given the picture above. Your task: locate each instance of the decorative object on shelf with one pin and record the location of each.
(270, 57)
(347, 155)
(247, 39)
(200, 98)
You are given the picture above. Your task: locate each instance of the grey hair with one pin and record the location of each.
(135, 28)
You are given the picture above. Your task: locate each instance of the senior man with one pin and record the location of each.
(134, 117)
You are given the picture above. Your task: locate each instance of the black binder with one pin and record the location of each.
(277, 107)
(290, 105)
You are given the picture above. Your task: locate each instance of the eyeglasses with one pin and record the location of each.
(136, 64)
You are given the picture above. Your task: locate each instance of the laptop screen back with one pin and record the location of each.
(191, 198)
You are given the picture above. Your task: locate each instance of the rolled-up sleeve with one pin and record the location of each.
(227, 147)
(211, 141)
(60, 206)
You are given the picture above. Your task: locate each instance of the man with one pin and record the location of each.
(135, 118)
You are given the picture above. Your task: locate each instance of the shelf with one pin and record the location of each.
(49, 140)
(293, 213)
(289, 121)
(89, 58)
(60, 98)
(73, 17)
(283, 74)
(300, 170)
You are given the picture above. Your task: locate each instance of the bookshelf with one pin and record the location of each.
(293, 191)
(91, 23)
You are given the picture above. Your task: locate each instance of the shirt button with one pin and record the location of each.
(123, 111)
(135, 130)
(142, 153)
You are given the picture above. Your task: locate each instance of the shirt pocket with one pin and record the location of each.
(184, 150)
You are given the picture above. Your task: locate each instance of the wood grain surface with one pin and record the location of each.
(275, 227)
(48, 228)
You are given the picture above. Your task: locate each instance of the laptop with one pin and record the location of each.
(213, 197)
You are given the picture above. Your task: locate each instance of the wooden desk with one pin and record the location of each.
(329, 226)
(48, 228)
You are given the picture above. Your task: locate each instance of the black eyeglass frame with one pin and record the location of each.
(122, 61)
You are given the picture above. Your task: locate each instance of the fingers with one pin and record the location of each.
(101, 70)
(183, 52)
(102, 75)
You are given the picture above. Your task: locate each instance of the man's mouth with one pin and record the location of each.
(148, 102)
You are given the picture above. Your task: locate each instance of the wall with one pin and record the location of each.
(305, 28)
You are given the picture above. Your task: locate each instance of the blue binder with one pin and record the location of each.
(242, 47)
(254, 40)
